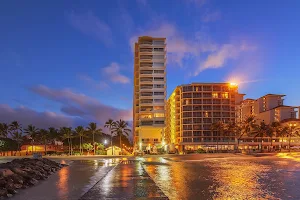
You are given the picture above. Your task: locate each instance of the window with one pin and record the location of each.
(197, 120)
(146, 101)
(159, 122)
(187, 127)
(197, 108)
(158, 57)
(159, 114)
(146, 108)
(159, 42)
(205, 114)
(145, 79)
(187, 108)
(157, 64)
(187, 95)
(159, 86)
(159, 93)
(197, 114)
(197, 133)
(146, 94)
(159, 107)
(187, 133)
(187, 114)
(159, 79)
(159, 71)
(196, 94)
(215, 95)
(187, 88)
(146, 72)
(158, 49)
(187, 121)
(186, 102)
(196, 101)
(225, 95)
(146, 116)
(159, 100)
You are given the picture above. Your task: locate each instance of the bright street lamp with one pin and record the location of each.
(105, 141)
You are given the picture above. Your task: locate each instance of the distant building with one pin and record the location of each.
(149, 98)
(193, 108)
(268, 108)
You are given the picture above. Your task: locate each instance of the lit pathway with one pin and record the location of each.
(128, 180)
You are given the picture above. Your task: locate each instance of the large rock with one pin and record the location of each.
(5, 172)
(22, 173)
(18, 171)
(3, 192)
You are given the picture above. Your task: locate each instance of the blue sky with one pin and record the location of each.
(71, 62)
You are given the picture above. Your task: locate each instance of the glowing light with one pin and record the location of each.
(233, 84)
(105, 141)
(163, 143)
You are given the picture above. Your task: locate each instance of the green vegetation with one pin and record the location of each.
(250, 128)
(13, 136)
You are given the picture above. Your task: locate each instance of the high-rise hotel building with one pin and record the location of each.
(193, 108)
(149, 99)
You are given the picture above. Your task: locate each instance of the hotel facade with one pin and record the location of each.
(193, 108)
(149, 99)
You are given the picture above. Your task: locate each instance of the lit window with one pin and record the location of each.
(146, 116)
(206, 114)
(215, 95)
(225, 95)
(159, 114)
(187, 102)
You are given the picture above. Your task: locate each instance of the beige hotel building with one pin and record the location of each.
(149, 99)
(193, 108)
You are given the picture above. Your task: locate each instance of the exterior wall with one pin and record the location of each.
(195, 107)
(268, 108)
(149, 101)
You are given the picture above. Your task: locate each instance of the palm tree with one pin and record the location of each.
(292, 131)
(220, 128)
(31, 132)
(120, 127)
(261, 130)
(283, 132)
(54, 136)
(80, 133)
(67, 134)
(44, 136)
(4, 130)
(92, 128)
(17, 136)
(274, 129)
(231, 130)
(246, 127)
(15, 129)
(110, 124)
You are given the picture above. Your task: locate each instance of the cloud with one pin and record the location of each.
(222, 55)
(113, 73)
(178, 47)
(80, 105)
(28, 116)
(92, 26)
(211, 16)
(99, 85)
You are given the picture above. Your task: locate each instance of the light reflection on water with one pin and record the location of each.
(62, 186)
(266, 178)
(238, 180)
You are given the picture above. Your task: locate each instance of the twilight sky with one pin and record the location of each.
(66, 63)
